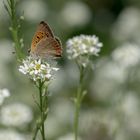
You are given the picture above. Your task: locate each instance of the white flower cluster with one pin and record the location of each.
(83, 46)
(37, 69)
(127, 55)
(16, 114)
(81, 16)
(10, 135)
(4, 93)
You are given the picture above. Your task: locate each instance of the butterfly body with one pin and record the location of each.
(44, 43)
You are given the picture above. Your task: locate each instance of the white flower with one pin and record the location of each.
(91, 120)
(37, 69)
(111, 76)
(82, 47)
(127, 55)
(130, 105)
(81, 14)
(4, 93)
(34, 10)
(10, 135)
(16, 114)
(127, 26)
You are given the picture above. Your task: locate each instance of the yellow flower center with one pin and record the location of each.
(38, 66)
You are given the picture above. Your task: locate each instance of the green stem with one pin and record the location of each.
(42, 130)
(11, 9)
(15, 30)
(43, 107)
(17, 43)
(36, 131)
(78, 103)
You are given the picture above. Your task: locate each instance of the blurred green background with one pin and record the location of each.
(110, 110)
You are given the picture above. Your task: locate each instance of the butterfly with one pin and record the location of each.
(44, 43)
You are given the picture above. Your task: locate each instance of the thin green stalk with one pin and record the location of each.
(43, 107)
(36, 131)
(17, 43)
(11, 9)
(78, 101)
(42, 130)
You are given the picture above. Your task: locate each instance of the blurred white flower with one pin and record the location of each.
(67, 137)
(37, 69)
(4, 93)
(82, 47)
(93, 122)
(16, 114)
(130, 104)
(127, 55)
(76, 13)
(127, 26)
(130, 108)
(10, 135)
(34, 10)
(111, 76)
(127, 113)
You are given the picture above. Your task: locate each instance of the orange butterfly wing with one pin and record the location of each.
(48, 47)
(44, 43)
